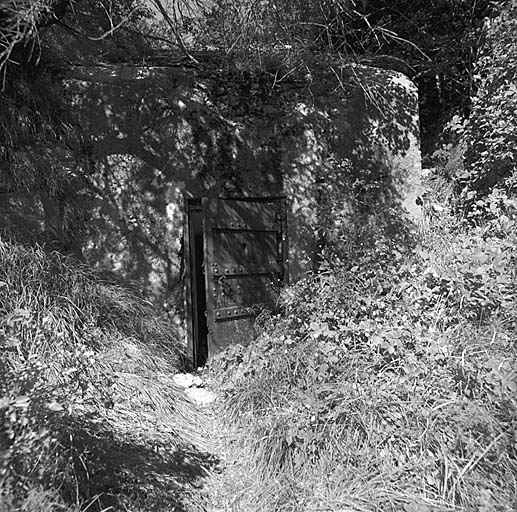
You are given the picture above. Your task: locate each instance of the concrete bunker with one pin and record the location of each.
(342, 147)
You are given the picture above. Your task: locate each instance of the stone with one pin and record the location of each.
(187, 380)
(158, 134)
(200, 396)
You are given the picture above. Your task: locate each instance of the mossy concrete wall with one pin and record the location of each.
(342, 146)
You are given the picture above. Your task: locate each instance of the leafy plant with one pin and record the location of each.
(489, 182)
(388, 385)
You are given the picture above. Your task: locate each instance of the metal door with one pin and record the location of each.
(245, 263)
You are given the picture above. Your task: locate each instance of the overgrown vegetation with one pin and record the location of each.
(72, 346)
(390, 383)
(489, 177)
(42, 148)
(434, 43)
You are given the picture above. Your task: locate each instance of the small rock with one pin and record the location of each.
(200, 396)
(187, 380)
(196, 381)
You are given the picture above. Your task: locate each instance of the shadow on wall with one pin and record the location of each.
(344, 151)
(355, 178)
(152, 140)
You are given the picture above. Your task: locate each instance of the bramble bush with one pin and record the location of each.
(388, 384)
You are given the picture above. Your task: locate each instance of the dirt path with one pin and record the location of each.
(200, 426)
(223, 489)
(152, 452)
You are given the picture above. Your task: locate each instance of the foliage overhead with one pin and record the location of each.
(393, 374)
(434, 43)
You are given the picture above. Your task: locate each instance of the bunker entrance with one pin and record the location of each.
(235, 265)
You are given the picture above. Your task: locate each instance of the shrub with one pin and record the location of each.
(386, 386)
(489, 180)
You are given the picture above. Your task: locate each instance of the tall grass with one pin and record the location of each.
(389, 385)
(62, 331)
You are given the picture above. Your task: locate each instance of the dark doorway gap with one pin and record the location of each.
(198, 288)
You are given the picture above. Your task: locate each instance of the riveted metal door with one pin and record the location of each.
(245, 263)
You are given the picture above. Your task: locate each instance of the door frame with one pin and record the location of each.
(190, 293)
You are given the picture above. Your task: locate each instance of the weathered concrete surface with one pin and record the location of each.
(343, 147)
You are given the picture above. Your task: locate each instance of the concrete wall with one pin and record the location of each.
(343, 146)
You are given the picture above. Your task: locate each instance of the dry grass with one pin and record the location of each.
(91, 419)
(387, 387)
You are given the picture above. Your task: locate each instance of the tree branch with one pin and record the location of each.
(173, 26)
(113, 28)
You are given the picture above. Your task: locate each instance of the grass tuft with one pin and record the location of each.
(77, 353)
